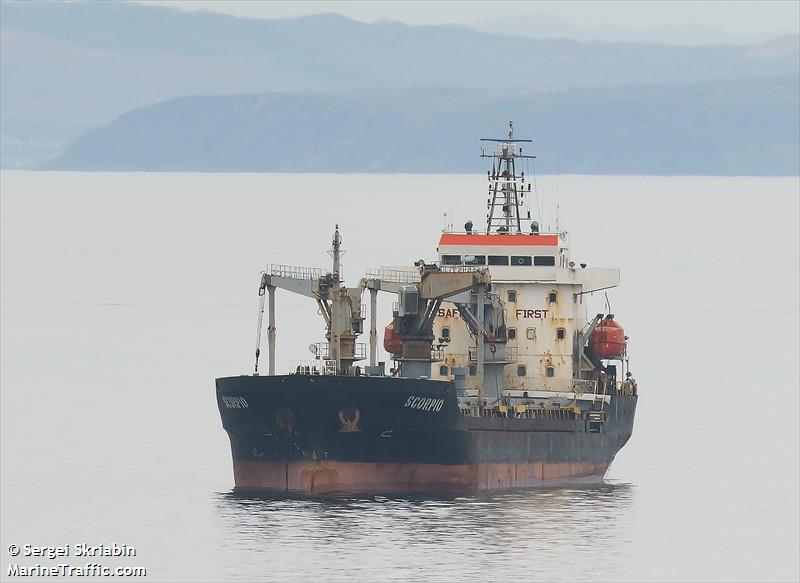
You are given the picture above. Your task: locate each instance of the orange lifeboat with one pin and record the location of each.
(608, 339)
(391, 343)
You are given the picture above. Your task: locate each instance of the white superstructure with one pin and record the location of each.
(543, 293)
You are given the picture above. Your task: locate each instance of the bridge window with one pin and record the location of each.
(443, 370)
(521, 370)
(561, 333)
(474, 259)
(512, 295)
(451, 259)
(550, 371)
(498, 259)
(552, 297)
(547, 260)
(512, 333)
(530, 333)
(521, 260)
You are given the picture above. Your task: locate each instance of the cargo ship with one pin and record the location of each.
(497, 376)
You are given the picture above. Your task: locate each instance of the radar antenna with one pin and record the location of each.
(506, 189)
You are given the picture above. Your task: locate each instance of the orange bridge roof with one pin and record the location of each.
(463, 239)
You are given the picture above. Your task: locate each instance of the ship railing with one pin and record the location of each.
(584, 386)
(461, 267)
(627, 388)
(313, 367)
(589, 386)
(322, 351)
(511, 354)
(503, 180)
(459, 232)
(410, 275)
(295, 272)
(361, 351)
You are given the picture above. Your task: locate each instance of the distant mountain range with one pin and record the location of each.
(720, 127)
(69, 73)
(550, 26)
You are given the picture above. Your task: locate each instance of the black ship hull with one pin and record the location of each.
(326, 434)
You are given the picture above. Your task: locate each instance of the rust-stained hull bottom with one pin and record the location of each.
(325, 477)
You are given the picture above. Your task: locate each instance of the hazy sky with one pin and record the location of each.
(734, 17)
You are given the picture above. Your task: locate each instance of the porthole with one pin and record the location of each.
(521, 370)
(512, 295)
(550, 371)
(512, 333)
(473, 370)
(561, 333)
(446, 333)
(552, 297)
(530, 333)
(443, 370)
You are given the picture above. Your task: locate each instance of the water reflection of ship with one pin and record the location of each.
(517, 533)
(498, 379)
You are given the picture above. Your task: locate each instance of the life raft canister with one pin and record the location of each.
(391, 343)
(608, 339)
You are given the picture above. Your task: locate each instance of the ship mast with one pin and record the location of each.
(506, 189)
(334, 343)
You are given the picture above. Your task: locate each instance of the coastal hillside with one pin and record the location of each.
(723, 128)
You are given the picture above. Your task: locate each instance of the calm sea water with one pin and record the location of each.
(125, 295)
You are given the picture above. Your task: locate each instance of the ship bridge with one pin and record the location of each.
(523, 257)
(512, 257)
